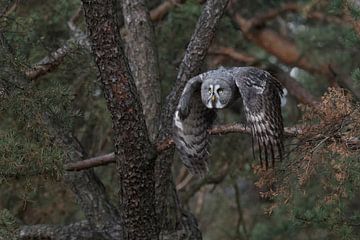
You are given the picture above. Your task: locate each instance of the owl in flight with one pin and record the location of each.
(216, 89)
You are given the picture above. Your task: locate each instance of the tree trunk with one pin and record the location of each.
(135, 156)
(142, 55)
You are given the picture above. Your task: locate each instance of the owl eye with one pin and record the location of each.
(209, 90)
(220, 90)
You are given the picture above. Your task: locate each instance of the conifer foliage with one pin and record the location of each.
(89, 85)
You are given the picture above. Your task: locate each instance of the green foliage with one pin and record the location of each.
(180, 20)
(8, 225)
(300, 204)
(23, 158)
(355, 75)
(335, 6)
(354, 10)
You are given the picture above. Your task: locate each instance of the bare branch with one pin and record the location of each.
(273, 13)
(79, 230)
(167, 144)
(304, 9)
(294, 87)
(287, 51)
(56, 58)
(160, 11)
(9, 9)
(91, 162)
(210, 179)
(233, 54)
(51, 62)
(240, 221)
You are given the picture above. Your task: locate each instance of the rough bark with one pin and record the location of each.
(75, 231)
(90, 194)
(135, 156)
(142, 55)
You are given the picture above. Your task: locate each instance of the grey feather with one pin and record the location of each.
(218, 89)
(191, 121)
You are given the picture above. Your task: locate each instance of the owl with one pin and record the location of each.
(216, 89)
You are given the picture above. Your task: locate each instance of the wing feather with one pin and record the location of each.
(261, 97)
(191, 122)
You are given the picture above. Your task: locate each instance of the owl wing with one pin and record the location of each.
(191, 121)
(261, 94)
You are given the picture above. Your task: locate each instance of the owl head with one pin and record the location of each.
(216, 93)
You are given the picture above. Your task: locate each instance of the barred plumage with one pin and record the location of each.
(217, 89)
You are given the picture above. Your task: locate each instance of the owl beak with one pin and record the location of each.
(213, 98)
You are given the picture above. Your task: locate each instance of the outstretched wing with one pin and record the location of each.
(261, 95)
(191, 121)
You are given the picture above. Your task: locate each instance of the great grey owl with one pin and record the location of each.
(217, 89)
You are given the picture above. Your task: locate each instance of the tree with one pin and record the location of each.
(47, 135)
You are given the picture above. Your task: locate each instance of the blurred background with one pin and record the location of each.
(312, 47)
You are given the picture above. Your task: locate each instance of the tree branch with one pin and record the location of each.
(160, 11)
(142, 56)
(233, 54)
(190, 66)
(286, 50)
(294, 87)
(79, 230)
(51, 62)
(9, 9)
(210, 179)
(303, 9)
(56, 58)
(165, 145)
(291, 84)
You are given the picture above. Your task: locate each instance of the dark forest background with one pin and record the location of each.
(50, 86)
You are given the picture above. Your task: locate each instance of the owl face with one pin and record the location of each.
(216, 93)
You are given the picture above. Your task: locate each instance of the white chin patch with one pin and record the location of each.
(219, 105)
(209, 105)
(216, 105)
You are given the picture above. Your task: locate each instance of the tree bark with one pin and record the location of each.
(135, 156)
(75, 231)
(90, 194)
(142, 55)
